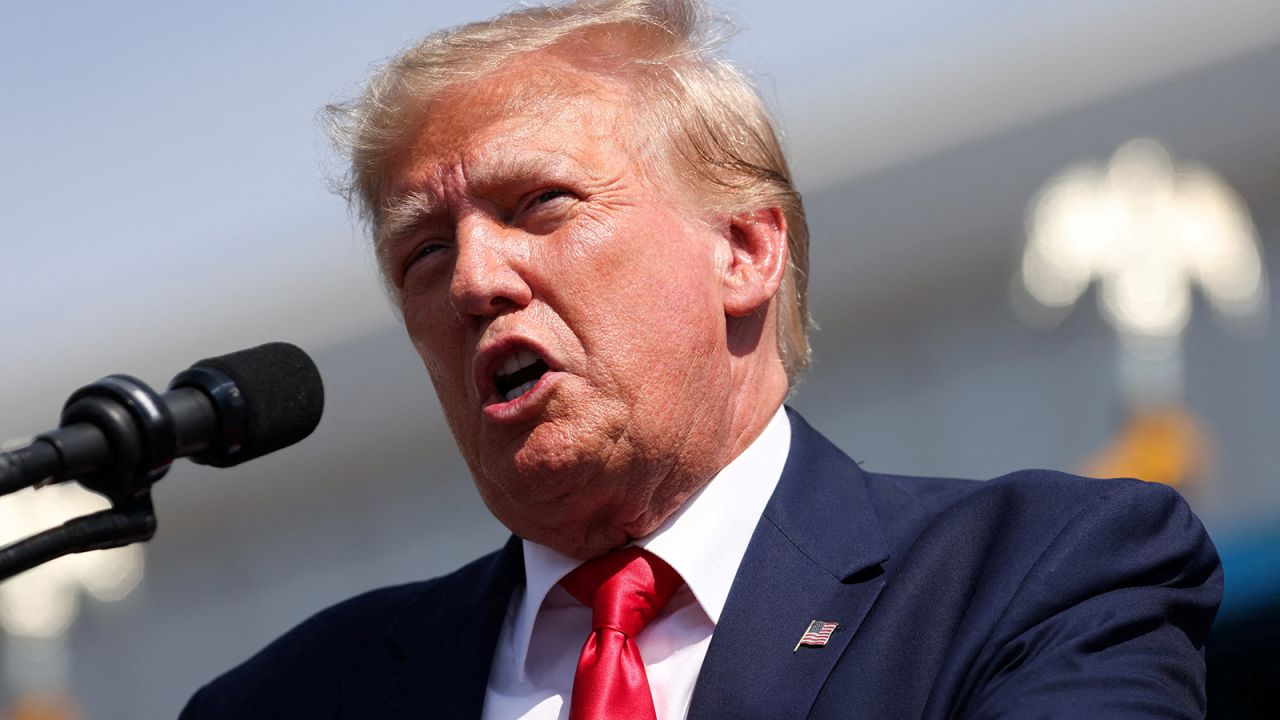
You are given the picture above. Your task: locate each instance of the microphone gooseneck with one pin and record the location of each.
(118, 437)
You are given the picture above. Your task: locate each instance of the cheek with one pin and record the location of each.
(669, 293)
(647, 263)
(453, 395)
(656, 321)
(439, 344)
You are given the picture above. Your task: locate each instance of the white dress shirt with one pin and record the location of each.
(545, 627)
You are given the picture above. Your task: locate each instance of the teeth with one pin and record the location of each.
(516, 392)
(521, 359)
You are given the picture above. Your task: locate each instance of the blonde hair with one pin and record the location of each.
(720, 141)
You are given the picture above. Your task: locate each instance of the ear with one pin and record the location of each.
(757, 259)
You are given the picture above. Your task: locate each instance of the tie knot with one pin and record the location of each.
(624, 589)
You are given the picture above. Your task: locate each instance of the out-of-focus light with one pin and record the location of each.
(42, 602)
(1146, 229)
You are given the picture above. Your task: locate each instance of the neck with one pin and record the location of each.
(757, 392)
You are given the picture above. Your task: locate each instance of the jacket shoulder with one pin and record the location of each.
(1046, 588)
(1024, 490)
(1021, 512)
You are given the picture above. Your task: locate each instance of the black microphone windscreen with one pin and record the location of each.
(283, 396)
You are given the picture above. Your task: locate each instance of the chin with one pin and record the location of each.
(573, 524)
(582, 541)
(556, 458)
(526, 476)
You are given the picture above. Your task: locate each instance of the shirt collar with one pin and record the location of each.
(722, 515)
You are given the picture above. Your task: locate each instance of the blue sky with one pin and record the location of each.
(162, 169)
(163, 161)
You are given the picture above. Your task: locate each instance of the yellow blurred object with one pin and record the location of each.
(43, 706)
(1164, 445)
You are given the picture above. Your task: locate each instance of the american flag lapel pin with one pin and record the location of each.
(817, 634)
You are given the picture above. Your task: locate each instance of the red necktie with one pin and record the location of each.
(625, 590)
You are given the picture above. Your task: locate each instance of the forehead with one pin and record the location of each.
(535, 110)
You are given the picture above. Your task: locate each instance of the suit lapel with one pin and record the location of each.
(444, 644)
(815, 555)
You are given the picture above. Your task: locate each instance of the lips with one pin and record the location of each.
(510, 374)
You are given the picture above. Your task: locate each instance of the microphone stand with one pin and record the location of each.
(117, 438)
(127, 521)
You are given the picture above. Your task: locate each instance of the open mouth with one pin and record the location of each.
(519, 373)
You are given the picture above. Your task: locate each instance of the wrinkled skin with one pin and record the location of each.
(525, 222)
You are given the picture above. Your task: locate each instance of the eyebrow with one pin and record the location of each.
(400, 217)
(405, 213)
(502, 169)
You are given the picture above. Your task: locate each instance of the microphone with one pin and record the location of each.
(118, 436)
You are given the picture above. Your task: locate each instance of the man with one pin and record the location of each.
(591, 232)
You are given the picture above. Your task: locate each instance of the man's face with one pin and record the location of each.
(568, 312)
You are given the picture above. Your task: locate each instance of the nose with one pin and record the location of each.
(488, 273)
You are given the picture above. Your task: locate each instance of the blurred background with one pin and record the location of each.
(1042, 237)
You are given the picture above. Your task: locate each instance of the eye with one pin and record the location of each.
(544, 209)
(547, 196)
(426, 250)
(421, 253)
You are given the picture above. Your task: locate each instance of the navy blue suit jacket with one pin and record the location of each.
(1034, 595)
